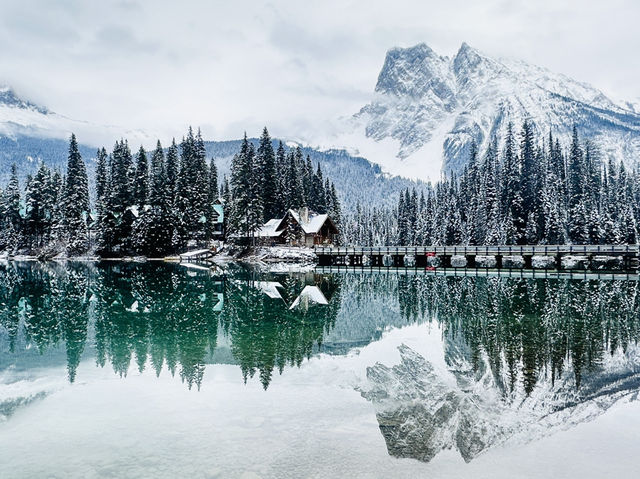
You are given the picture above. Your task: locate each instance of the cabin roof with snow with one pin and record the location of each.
(276, 226)
(270, 229)
(313, 223)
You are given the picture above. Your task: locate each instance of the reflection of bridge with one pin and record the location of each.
(481, 272)
(547, 257)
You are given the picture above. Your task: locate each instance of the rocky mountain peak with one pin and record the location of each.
(9, 98)
(409, 71)
(433, 107)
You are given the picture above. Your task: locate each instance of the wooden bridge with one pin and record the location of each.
(557, 257)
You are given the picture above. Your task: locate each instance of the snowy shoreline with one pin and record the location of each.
(272, 255)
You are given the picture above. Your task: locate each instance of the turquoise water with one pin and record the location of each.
(159, 370)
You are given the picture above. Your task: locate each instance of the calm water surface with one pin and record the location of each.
(158, 370)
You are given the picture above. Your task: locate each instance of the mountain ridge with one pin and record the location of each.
(428, 103)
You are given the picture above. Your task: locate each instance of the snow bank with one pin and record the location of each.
(543, 262)
(575, 262)
(486, 261)
(282, 254)
(458, 261)
(513, 262)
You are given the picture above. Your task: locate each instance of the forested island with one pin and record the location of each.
(525, 189)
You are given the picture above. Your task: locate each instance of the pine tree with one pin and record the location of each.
(295, 190)
(172, 167)
(192, 207)
(11, 218)
(39, 208)
(317, 198)
(266, 165)
(245, 210)
(141, 184)
(76, 201)
(282, 196)
(153, 230)
(213, 180)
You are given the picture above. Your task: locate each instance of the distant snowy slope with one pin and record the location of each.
(429, 108)
(357, 180)
(22, 118)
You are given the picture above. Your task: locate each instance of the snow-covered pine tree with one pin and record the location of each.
(76, 201)
(266, 169)
(102, 192)
(141, 181)
(153, 232)
(39, 208)
(213, 180)
(245, 211)
(116, 224)
(295, 189)
(11, 219)
(318, 199)
(192, 198)
(576, 176)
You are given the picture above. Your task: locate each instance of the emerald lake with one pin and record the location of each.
(163, 370)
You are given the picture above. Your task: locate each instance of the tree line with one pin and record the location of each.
(529, 330)
(265, 184)
(49, 305)
(156, 203)
(532, 191)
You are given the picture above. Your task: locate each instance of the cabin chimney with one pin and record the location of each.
(304, 214)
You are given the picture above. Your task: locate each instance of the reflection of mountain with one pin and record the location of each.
(160, 315)
(421, 413)
(523, 357)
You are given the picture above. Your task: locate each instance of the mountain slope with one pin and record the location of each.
(357, 180)
(20, 118)
(30, 134)
(432, 107)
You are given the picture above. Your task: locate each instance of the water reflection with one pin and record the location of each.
(523, 357)
(165, 315)
(518, 357)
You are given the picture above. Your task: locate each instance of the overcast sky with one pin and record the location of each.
(230, 66)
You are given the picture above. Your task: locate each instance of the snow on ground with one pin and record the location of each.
(273, 254)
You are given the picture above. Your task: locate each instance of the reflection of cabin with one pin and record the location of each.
(311, 294)
(299, 228)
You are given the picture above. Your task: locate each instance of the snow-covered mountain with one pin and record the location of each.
(30, 133)
(22, 118)
(428, 108)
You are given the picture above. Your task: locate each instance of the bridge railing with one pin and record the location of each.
(480, 250)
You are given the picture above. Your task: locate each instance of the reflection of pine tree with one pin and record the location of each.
(533, 327)
(73, 314)
(265, 333)
(523, 330)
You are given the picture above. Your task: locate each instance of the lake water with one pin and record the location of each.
(159, 370)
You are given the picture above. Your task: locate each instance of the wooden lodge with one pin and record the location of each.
(298, 228)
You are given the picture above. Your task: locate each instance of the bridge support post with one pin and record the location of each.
(471, 260)
(398, 260)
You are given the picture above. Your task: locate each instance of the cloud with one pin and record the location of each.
(231, 66)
